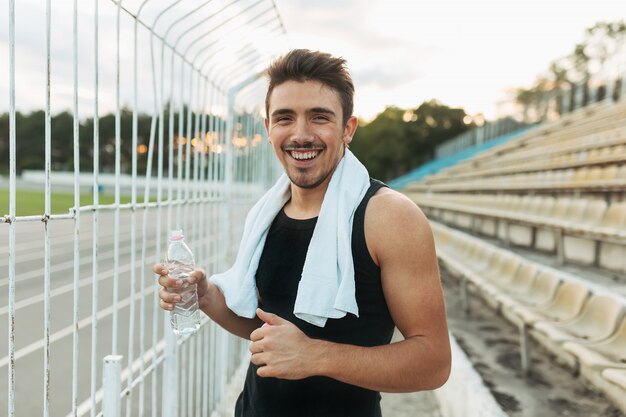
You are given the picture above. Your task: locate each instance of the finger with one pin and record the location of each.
(269, 318)
(166, 306)
(258, 359)
(169, 297)
(257, 335)
(255, 347)
(160, 269)
(169, 282)
(264, 371)
(196, 276)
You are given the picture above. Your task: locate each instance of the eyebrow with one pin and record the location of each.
(324, 110)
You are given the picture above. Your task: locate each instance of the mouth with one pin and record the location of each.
(304, 155)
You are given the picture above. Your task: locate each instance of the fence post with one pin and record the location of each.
(170, 388)
(229, 174)
(111, 385)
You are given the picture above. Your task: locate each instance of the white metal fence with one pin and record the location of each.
(76, 286)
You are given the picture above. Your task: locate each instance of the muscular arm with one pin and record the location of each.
(401, 242)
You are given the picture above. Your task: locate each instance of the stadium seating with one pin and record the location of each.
(597, 321)
(594, 357)
(557, 190)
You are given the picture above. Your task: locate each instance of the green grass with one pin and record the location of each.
(32, 202)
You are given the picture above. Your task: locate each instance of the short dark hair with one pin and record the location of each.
(304, 65)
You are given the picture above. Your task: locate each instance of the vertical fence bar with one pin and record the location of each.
(169, 387)
(47, 165)
(95, 220)
(159, 232)
(188, 152)
(146, 199)
(181, 143)
(111, 384)
(12, 197)
(133, 232)
(116, 221)
(76, 219)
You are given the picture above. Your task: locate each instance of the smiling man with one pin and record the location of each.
(322, 331)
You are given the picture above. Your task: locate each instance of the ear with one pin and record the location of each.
(349, 130)
(267, 128)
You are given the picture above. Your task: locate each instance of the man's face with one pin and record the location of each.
(305, 127)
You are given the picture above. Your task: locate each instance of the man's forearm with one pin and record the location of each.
(410, 365)
(214, 305)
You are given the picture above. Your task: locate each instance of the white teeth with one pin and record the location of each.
(303, 155)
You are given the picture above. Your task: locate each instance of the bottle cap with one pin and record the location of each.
(176, 234)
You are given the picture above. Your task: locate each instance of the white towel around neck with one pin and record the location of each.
(326, 289)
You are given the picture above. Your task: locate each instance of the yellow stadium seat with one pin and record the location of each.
(596, 322)
(540, 292)
(608, 353)
(581, 250)
(566, 305)
(520, 284)
(545, 239)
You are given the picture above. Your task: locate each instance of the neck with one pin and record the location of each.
(306, 203)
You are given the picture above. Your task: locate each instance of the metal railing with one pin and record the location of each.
(552, 106)
(82, 303)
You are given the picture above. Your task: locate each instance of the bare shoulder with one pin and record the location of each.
(392, 220)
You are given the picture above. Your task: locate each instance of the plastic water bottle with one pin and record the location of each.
(185, 318)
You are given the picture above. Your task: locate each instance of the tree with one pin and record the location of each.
(398, 140)
(603, 46)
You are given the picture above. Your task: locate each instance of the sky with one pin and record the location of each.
(464, 53)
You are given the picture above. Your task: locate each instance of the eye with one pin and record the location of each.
(281, 119)
(321, 118)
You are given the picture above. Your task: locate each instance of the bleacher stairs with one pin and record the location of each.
(557, 190)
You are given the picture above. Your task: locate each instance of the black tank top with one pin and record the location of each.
(277, 278)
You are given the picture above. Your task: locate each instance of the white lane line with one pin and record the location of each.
(35, 299)
(67, 331)
(33, 253)
(37, 273)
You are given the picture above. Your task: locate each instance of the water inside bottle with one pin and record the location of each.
(185, 318)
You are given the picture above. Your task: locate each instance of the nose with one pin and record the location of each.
(302, 133)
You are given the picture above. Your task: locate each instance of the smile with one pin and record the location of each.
(304, 155)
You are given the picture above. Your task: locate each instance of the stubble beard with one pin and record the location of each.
(301, 178)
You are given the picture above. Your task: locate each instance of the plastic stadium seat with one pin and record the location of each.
(594, 174)
(520, 284)
(540, 292)
(581, 177)
(575, 212)
(582, 250)
(566, 305)
(608, 353)
(544, 238)
(547, 205)
(612, 255)
(596, 322)
(503, 275)
(609, 172)
(522, 235)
